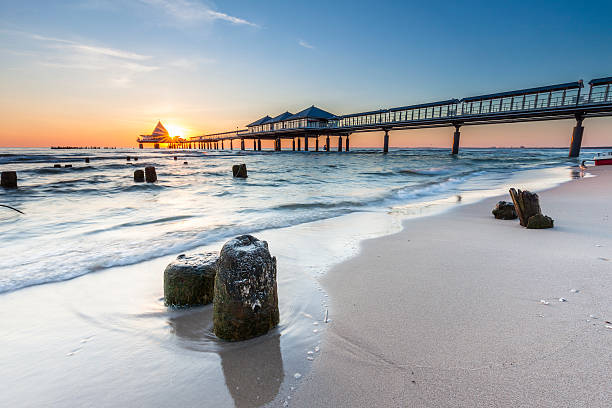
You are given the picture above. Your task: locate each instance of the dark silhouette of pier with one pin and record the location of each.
(553, 102)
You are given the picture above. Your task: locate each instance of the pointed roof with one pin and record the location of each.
(260, 121)
(159, 130)
(312, 113)
(281, 117)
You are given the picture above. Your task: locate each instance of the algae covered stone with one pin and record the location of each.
(504, 211)
(190, 280)
(540, 221)
(246, 297)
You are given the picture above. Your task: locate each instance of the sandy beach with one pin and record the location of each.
(448, 312)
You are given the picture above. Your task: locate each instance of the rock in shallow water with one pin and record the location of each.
(246, 297)
(540, 221)
(139, 176)
(8, 179)
(504, 211)
(239, 170)
(190, 280)
(150, 174)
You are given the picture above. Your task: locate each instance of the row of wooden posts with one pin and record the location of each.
(220, 144)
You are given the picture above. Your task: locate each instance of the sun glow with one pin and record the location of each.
(174, 130)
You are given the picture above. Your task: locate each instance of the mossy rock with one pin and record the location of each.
(190, 280)
(246, 297)
(540, 221)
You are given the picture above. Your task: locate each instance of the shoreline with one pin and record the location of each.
(454, 318)
(137, 309)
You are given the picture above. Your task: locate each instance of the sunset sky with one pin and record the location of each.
(101, 72)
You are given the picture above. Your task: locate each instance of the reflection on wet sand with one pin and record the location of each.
(253, 369)
(253, 374)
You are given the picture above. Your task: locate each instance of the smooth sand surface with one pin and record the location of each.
(447, 313)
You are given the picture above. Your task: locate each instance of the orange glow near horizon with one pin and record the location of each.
(30, 128)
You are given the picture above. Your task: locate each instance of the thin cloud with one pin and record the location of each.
(110, 52)
(306, 45)
(194, 11)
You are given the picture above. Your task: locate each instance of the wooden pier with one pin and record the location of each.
(553, 102)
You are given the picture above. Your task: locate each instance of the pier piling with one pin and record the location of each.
(299, 147)
(241, 144)
(456, 137)
(317, 144)
(259, 145)
(576, 141)
(339, 143)
(305, 143)
(347, 144)
(327, 143)
(293, 144)
(386, 142)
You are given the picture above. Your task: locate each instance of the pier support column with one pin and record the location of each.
(294, 145)
(140, 146)
(339, 143)
(259, 145)
(222, 147)
(241, 144)
(386, 142)
(305, 143)
(576, 141)
(347, 144)
(327, 144)
(456, 137)
(231, 144)
(317, 144)
(299, 144)
(254, 145)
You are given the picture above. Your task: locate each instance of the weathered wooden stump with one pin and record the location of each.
(246, 297)
(67, 166)
(504, 211)
(150, 174)
(239, 170)
(135, 158)
(540, 221)
(139, 176)
(8, 179)
(175, 158)
(87, 160)
(526, 204)
(128, 158)
(185, 163)
(190, 280)
(57, 166)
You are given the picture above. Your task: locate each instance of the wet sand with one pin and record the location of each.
(448, 312)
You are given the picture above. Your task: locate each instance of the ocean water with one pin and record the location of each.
(93, 216)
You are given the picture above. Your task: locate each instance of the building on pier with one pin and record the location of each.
(311, 117)
(159, 135)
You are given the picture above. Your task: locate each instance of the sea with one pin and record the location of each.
(93, 216)
(81, 267)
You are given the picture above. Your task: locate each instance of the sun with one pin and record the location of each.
(174, 131)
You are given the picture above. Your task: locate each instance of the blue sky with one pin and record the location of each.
(214, 66)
